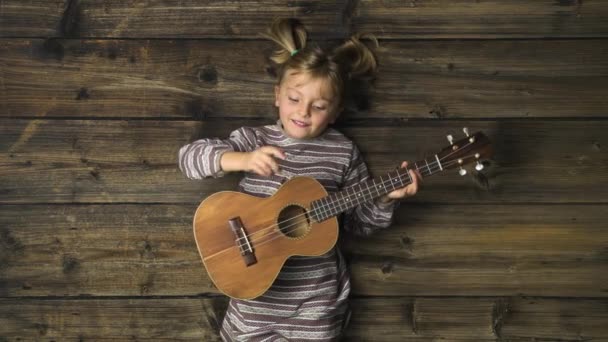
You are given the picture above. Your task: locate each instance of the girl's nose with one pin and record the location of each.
(305, 110)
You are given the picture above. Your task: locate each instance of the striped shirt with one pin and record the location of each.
(308, 300)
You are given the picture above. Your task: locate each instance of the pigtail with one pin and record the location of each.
(290, 34)
(355, 58)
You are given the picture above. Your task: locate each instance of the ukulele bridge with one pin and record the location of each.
(242, 240)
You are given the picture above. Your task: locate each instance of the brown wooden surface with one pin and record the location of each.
(374, 319)
(194, 79)
(477, 319)
(95, 218)
(244, 19)
(118, 319)
(455, 250)
(65, 161)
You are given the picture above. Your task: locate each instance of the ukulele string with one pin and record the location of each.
(324, 207)
(278, 236)
(328, 207)
(241, 245)
(287, 231)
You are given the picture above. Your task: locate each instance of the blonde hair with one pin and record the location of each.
(351, 60)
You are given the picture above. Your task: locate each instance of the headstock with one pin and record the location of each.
(467, 150)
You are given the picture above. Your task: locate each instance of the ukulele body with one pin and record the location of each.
(244, 240)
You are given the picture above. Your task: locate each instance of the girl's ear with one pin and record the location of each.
(277, 92)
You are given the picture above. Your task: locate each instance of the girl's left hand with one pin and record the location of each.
(406, 191)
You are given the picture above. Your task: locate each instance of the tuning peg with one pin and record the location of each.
(479, 165)
(450, 139)
(462, 171)
(466, 131)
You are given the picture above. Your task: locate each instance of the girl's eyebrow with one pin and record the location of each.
(294, 89)
(300, 93)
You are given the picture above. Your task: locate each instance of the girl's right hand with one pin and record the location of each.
(262, 161)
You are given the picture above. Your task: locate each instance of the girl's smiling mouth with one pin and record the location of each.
(299, 123)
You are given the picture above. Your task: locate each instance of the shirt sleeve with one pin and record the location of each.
(368, 217)
(201, 158)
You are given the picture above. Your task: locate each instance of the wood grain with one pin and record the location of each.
(244, 19)
(99, 161)
(439, 250)
(373, 319)
(96, 220)
(194, 79)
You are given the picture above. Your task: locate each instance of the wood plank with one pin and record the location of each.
(244, 19)
(171, 18)
(32, 18)
(481, 19)
(104, 161)
(119, 319)
(373, 319)
(204, 79)
(478, 319)
(439, 250)
(457, 248)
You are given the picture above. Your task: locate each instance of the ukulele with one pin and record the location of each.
(244, 240)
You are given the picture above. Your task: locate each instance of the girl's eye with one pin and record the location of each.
(292, 99)
(320, 108)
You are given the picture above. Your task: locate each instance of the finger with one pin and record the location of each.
(401, 193)
(263, 169)
(412, 189)
(411, 172)
(415, 177)
(271, 164)
(257, 170)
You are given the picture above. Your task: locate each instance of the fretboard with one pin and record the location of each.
(339, 202)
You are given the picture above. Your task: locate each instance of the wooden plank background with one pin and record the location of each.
(95, 218)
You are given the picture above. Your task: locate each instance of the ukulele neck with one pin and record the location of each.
(339, 202)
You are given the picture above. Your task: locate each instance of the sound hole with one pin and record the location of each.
(293, 221)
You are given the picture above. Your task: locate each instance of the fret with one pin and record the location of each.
(323, 207)
(388, 182)
(323, 210)
(439, 163)
(377, 187)
(316, 211)
(328, 206)
(383, 186)
(400, 180)
(349, 197)
(371, 196)
(427, 166)
(340, 201)
(334, 205)
(407, 172)
(359, 194)
(393, 180)
(337, 205)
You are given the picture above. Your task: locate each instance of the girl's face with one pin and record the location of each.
(306, 105)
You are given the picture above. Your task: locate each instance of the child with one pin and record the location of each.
(308, 300)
